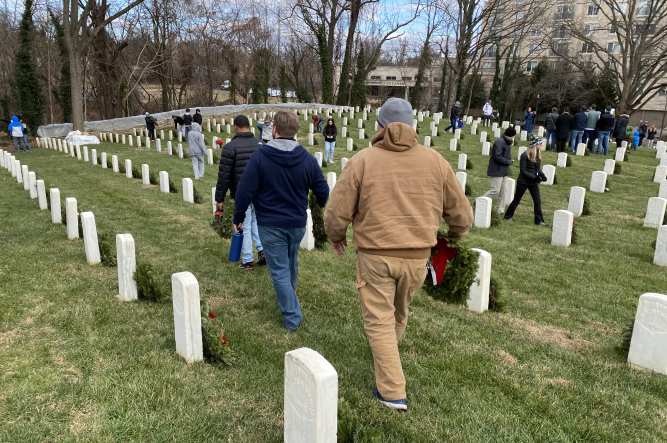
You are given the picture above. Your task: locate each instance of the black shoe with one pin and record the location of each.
(261, 259)
(250, 266)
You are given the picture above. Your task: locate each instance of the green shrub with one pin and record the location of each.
(215, 344)
(223, 225)
(152, 178)
(459, 275)
(617, 168)
(495, 218)
(136, 172)
(468, 190)
(352, 428)
(574, 232)
(151, 284)
(586, 210)
(626, 338)
(318, 222)
(107, 250)
(325, 164)
(568, 163)
(121, 166)
(496, 303)
(198, 199)
(172, 187)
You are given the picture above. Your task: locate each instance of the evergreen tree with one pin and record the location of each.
(359, 81)
(27, 87)
(64, 92)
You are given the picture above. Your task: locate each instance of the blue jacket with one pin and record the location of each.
(277, 180)
(14, 123)
(580, 120)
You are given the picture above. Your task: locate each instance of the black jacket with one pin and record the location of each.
(563, 126)
(235, 156)
(621, 127)
(455, 112)
(150, 123)
(550, 121)
(197, 118)
(530, 173)
(330, 133)
(501, 158)
(187, 119)
(606, 122)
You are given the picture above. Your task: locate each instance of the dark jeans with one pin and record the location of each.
(590, 135)
(551, 139)
(281, 249)
(151, 133)
(518, 195)
(452, 126)
(560, 145)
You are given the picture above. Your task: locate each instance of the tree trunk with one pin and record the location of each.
(344, 79)
(76, 83)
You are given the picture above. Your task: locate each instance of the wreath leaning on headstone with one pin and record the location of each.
(215, 343)
(460, 264)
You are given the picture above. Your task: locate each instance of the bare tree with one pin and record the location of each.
(637, 59)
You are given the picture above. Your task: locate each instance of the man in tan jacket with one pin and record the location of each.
(395, 194)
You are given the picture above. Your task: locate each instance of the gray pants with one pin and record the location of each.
(198, 166)
(496, 193)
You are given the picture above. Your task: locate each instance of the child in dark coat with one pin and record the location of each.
(530, 177)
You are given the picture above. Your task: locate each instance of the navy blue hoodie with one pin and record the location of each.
(277, 180)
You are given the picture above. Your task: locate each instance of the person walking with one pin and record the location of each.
(564, 125)
(550, 125)
(26, 133)
(651, 135)
(187, 123)
(578, 129)
(590, 134)
(530, 177)
(197, 148)
(394, 232)
(487, 112)
(636, 138)
(643, 129)
(497, 171)
(454, 116)
(150, 125)
(603, 129)
(621, 128)
(198, 118)
(330, 132)
(15, 131)
(529, 120)
(233, 161)
(276, 181)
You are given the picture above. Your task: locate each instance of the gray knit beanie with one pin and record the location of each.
(395, 110)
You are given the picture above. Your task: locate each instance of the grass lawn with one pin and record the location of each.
(76, 364)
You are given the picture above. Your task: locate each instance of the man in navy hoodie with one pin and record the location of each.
(277, 180)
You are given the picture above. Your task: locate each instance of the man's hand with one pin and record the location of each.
(238, 228)
(339, 247)
(220, 206)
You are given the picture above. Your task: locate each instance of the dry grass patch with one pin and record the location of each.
(549, 334)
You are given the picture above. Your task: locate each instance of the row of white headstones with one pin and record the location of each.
(311, 382)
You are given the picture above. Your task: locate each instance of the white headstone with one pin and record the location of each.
(660, 256)
(148, 142)
(308, 240)
(524, 136)
(427, 141)
(509, 188)
(362, 134)
(462, 177)
(581, 149)
(41, 195)
(662, 192)
(170, 150)
(72, 218)
(127, 265)
(483, 212)
(453, 143)
(158, 145)
(93, 156)
(562, 160)
(609, 165)
(56, 214)
(561, 234)
(114, 163)
(130, 140)
(128, 168)
(25, 173)
(343, 132)
(350, 145)
(649, 335)
(434, 131)
(145, 174)
(620, 154)
(343, 163)
(32, 184)
(482, 136)
(180, 150)
(103, 160)
(550, 172)
(457, 133)
(187, 316)
(463, 162)
(318, 157)
(90, 242)
(576, 202)
(486, 149)
(520, 150)
(660, 174)
(331, 180)
(85, 154)
(188, 191)
(598, 182)
(655, 212)
(540, 131)
(209, 153)
(310, 398)
(360, 123)
(478, 294)
(164, 182)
